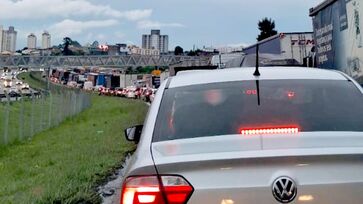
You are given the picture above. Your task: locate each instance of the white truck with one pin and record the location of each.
(338, 34)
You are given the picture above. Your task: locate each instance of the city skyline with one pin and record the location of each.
(188, 22)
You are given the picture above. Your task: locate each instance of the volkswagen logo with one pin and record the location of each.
(284, 189)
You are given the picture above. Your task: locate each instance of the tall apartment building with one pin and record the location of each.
(156, 41)
(32, 41)
(8, 39)
(1, 38)
(46, 40)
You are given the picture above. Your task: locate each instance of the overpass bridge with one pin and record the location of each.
(101, 61)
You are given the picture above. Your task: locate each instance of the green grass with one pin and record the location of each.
(25, 76)
(65, 164)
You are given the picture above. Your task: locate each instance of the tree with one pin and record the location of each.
(65, 46)
(76, 44)
(192, 53)
(95, 44)
(178, 50)
(129, 70)
(267, 28)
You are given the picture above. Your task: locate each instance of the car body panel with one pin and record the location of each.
(237, 146)
(243, 74)
(226, 173)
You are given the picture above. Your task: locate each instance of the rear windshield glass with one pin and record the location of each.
(226, 108)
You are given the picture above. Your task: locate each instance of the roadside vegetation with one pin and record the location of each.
(66, 163)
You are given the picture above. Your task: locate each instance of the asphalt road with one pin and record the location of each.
(9, 84)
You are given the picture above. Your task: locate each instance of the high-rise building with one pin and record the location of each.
(4, 41)
(8, 39)
(32, 41)
(156, 41)
(1, 38)
(46, 40)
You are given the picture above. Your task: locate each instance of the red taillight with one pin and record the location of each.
(147, 190)
(285, 130)
(290, 94)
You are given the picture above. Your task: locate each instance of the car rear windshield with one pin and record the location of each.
(226, 108)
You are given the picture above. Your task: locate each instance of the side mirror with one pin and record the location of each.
(133, 134)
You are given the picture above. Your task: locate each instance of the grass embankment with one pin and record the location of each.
(65, 163)
(25, 76)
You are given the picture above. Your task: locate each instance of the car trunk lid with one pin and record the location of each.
(326, 166)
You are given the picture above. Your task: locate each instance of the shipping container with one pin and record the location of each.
(127, 80)
(101, 80)
(92, 78)
(88, 85)
(82, 78)
(66, 76)
(115, 81)
(108, 81)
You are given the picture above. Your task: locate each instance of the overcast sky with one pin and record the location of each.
(187, 22)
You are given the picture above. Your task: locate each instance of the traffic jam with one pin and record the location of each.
(131, 92)
(108, 82)
(12, 87)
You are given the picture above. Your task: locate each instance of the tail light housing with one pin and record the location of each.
(156, 190)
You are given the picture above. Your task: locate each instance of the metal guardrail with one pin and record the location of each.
(102, 61)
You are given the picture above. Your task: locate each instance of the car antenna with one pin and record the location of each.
(257, 74)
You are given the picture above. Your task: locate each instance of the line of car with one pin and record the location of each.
(144, 93)
(132, 92)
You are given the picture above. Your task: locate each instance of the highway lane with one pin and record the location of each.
(10, 85)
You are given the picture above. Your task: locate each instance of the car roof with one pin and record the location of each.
(246, 74)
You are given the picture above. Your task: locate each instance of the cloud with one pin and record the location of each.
(236, 45)
(147, 24)
(30, 9)
(119, 35)
(71, 27)
(135, 15)
(101, 37)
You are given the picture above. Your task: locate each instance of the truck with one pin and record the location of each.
(293, 45)
(338, 35)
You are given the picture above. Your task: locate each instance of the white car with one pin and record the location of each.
(152, 96)
(232, 137)
(25, 86)
(8, 83)
(130, 92)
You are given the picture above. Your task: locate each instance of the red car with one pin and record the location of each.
(146, 94)
(118, 92)
(138, 93)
